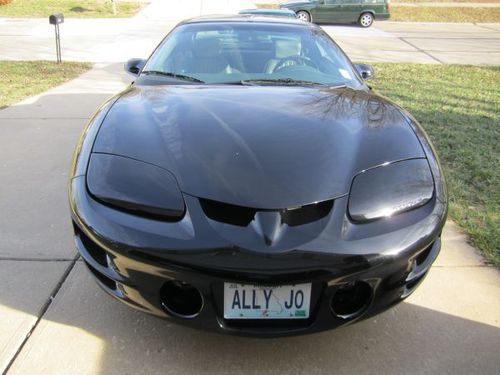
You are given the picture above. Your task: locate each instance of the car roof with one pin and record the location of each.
(250, 18)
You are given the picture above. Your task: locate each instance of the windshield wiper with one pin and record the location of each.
(280, 81)
(173, 75)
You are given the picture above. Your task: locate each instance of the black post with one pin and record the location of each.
(58, 45)
(56, 19)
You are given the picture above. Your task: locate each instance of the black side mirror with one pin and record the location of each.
(134, 66)
(365, 71)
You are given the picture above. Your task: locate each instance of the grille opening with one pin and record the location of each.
(242, 216)
(351, 300)
(110, 284)
(306, 214)
(420, 259)
(181, 299)
(94, 250)
(411, 286)
(414, 283)
(228, 213)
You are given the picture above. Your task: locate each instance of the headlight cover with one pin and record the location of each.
(390, 189)
(137, 187)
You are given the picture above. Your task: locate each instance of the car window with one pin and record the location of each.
(230, 52)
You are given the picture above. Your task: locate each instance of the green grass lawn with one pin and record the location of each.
(459, 107)
(444, 14)
(70, 8)
(20, 79)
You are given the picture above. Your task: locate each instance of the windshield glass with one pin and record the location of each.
(232, 52)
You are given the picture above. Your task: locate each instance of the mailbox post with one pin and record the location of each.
(56, 19)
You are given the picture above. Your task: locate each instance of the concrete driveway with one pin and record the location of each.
(55, 319)
(116, 40)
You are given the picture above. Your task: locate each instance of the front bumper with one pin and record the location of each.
(134, 258)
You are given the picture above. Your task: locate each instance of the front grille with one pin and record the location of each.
(242, 216)
(106, 281)
(228, 213)
(94, 250)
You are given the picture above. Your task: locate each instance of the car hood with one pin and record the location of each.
(258, 146)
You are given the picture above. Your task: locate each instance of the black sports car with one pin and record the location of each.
(250, 182)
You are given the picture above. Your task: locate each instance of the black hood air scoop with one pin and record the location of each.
(258, 147)
(255, 227)
(243, 216)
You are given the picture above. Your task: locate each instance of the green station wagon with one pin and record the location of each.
(362, 12)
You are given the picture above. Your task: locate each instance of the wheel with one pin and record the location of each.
(365, 20)
(303, 16)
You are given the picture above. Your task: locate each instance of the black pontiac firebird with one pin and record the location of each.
(250, 182)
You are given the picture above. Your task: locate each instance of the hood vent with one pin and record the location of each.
(243, 216)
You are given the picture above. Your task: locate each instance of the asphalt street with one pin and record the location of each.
(55, 319)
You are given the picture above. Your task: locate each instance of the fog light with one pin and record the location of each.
(181, 299)
(351, 300)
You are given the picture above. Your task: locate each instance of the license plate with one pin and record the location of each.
(266, 302)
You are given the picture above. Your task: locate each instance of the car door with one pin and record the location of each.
(327, 11)
(350, 10)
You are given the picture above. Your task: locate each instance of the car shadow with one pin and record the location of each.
(354, 25)
(406, 339)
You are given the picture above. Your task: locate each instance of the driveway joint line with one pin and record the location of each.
(462, 51)
(16, 259)
(420, 50)
(448, 38)
(43, 118)
(486, 27)
(42, 312)
(466, 266)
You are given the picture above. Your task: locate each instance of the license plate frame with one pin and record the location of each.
(267, 302)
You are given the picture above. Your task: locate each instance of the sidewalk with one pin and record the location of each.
(59, 320)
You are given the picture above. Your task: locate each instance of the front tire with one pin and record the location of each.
(303, 16)
(366, 20)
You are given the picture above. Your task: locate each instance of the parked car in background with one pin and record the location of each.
(363, 12)
(270, 12)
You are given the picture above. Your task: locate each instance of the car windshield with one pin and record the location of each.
(256, 53)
